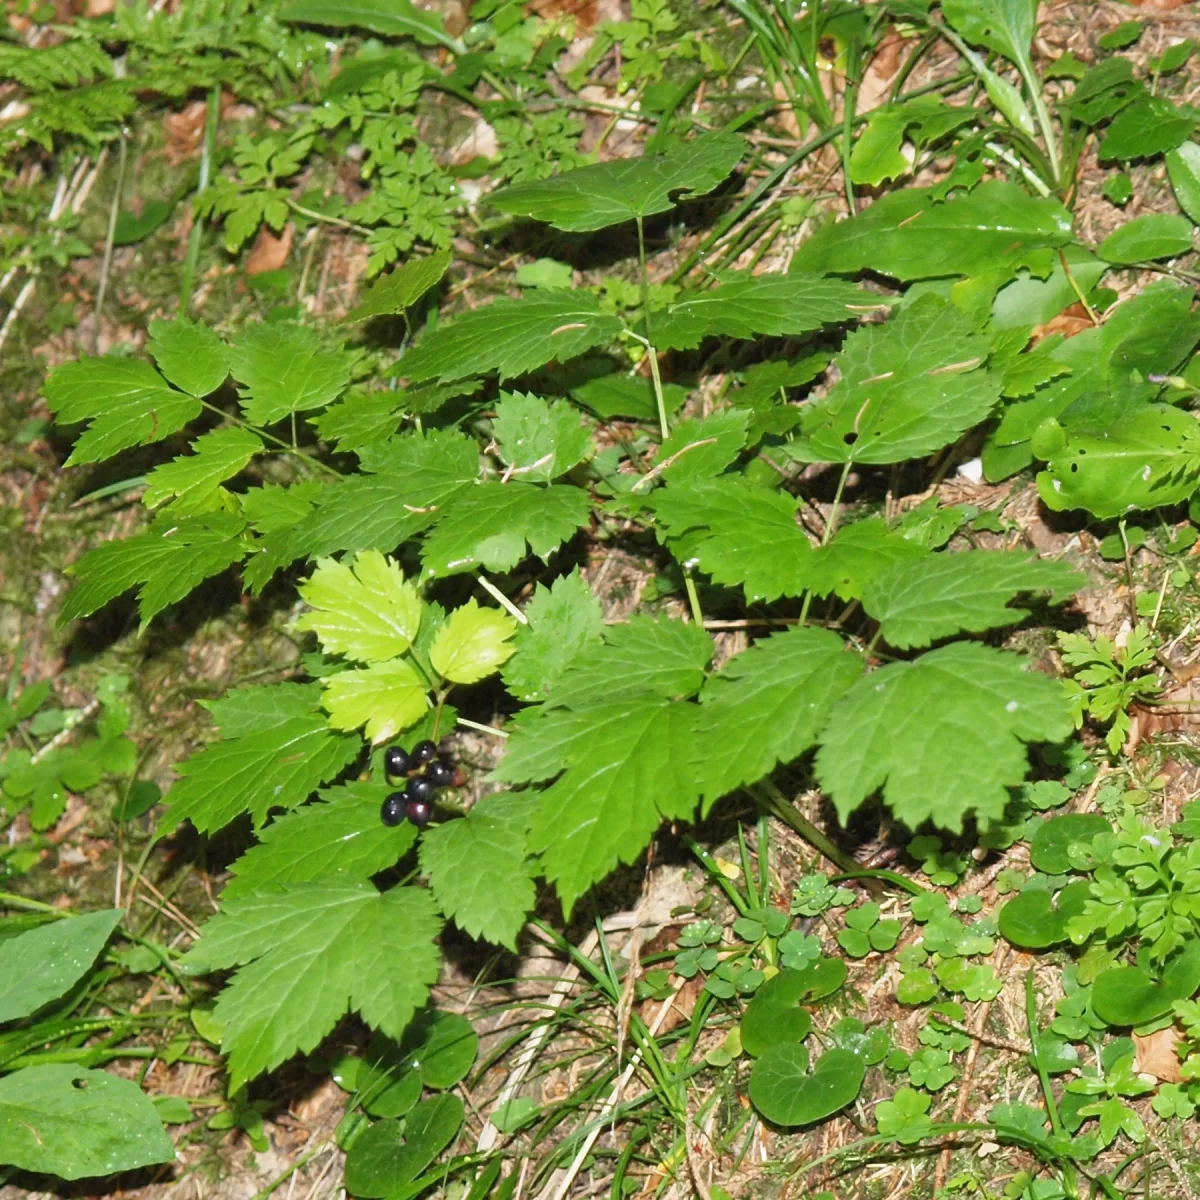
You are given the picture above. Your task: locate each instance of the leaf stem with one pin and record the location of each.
(777, 803)
(270, 437)
(500, 598)
(500, 733)
(711, 865)
(651, 353)
(207, 153)
(693, 596)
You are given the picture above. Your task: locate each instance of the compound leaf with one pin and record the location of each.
(305, 954)
(473, 643)
(194, 480)
(857, 554)
(920, 601)
(943, 736)
(539, 440)
(594, 197)
(286, 370)
(385, 697)
(477, 868)
(701, 447)
(401, 288)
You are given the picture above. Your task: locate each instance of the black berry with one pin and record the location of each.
(396, 761)
(420, 789)
(424, 752)
(418, 811)
(440, 773)
(393, 810)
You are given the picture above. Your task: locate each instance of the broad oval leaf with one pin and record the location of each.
(1146, 238)
(786, 1093)
(389, 1154)
(392, 18)
(1131, 996)
(1048, 849)
(774, 1015)
(1031, 921)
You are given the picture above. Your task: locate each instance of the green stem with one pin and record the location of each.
(651, 353)
(196, 236)
(340, 222)
(693, 597)
(270, 437)
(711, 865)
(769, 795)
(832, 524)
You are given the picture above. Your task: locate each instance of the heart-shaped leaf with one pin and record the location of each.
(783, 1090)
(1048, 850)
(774, 1016)
(1131, 996)
(1030, 920)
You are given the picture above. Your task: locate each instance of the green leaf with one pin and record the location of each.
(1145, 238)
(473, 643)
(391, 18)
(368, 612)
(563, 621)
(768, 705)
(614, 395)
(338, 838)
(1151, 458)
(1130, 996)
(191, 356)
(194, 481)
(58, 1119)
(877, 155)
(402, 288)
(701, 447)
(1150, 125)
(774, 1016)
(126, 400)
(787, 1093)
(908, 234)
(165, 563)
(739, 534)
(386, 697)
(276, 749)
(622, 767)
(594, 197)
(390, 1154)
(1030, 921)
(286, 370)
(857, 554)
(477, 868)
(442, 1046)
(512, 337)
(491, 524)
(895, 729)
(1049, 845)
(1005, 26)
(42, 964)
(921, 601)
(538, 440)
(907, 388)
(1030, 300)
(1183, 168)
(306, 952)
(776, 305)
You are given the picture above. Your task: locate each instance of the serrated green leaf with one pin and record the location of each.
(367, 612)
(907, 388)
(1151, 125)
(194, 480)
(59, 1119)
(1145, 238)
(286, 370)
(491, 524)
(392, 18)
(306, 952)
(594, 197)
(877, 154)
(908, 234)
(738, 534)
(768, 705)
(918, 602)
(622, 767)
(473, 643)
(856, 554)
(338, 838)
(165, 563)
(276, 748)
(776, 305)
(943, 736)
(701, 447)
(512, 337)
(190, 355)
(360, 419)
(563, 621)
(401, 288)
(539, 440)
(126, 400)
(477, 868)
(387, 698)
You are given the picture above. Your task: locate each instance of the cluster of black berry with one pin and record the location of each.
(424, 771)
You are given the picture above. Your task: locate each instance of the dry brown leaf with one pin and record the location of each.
(184, 131)
(882, 69)
(270, 252)
(1157, 1054)
(681, 1008)
(1069, 322)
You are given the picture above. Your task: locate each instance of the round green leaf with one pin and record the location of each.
(1032, 921)
(784, 1093)
(1048, 850)
(821, 978)
(446, 1050)
(1130, 996)
(383, 1159)
(774, 1015)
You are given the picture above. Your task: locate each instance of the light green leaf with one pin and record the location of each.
(190, 355)
(490, 525)
(563, 621)
(1183, 168)
(305, 952)
(943, 736)
(857, 554)
(768, 705)
(594, 197)
(276, 748)
(368, 612)
(473, 643)
(286, 370)
(739, 534)
(126, 400)
(477, 868)
(194, 481)
(920, 601)
(58, 1119)
(340, 838)
(512, 337)
(539, 440)
(1145, 238)
(777, 305)
(42, 964)
(1005, 26)
(907, 388)
(701, 447)
(391, 18)
(401, 288)
(387, 698)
